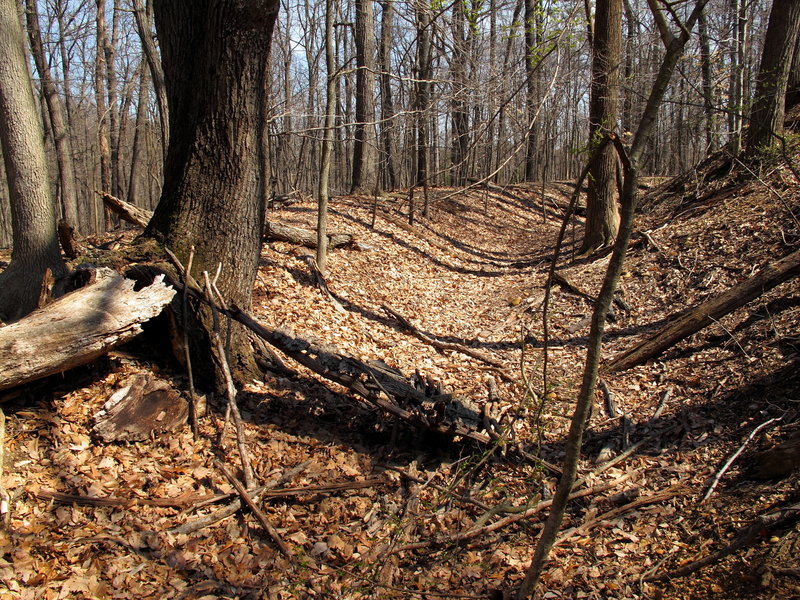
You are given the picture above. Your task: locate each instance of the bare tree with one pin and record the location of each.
(365, 149)
(766, 116)
(602, 214)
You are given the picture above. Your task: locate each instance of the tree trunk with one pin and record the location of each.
(102, 106)
(602, 214)
(766, 117)
(327, 142)
(63, 149)
(144, 26)
(458, 68)
(33, 218)
(387, 104)
(421, 98)
(212, 198)
(365, 172)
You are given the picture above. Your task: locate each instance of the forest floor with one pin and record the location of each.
(471, 274)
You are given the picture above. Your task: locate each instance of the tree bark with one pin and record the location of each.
(602, 214)
(387, 103)
(77, 328)
(365, 149)
(766, 117)
(212, 198)
(63, 148)
(33, 218)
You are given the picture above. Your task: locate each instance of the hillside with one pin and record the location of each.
(473, 275)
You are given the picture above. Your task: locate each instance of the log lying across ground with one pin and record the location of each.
(709, 311)
(303, 237)
(272, 231)
(77, 328)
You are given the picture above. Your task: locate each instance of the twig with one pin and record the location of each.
(734, 456)
(664, 397)
(230, 390)
(611, 406)
(233, 507)
(748, 534)
(5, 499)
(259, 514)
(457, 538)
(666, 494)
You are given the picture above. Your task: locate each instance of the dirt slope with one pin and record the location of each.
(473, 274)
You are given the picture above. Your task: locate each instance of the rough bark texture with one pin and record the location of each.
(766, 117)
(214, 53)
(33, 219)
(365, 150)
(602, 215)
(77, 328)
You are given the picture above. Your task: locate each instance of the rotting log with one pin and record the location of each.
(772, 275)
(77, 328)
(126, 211)
(144, 405)
(303, 237)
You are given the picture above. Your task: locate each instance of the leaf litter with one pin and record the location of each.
(472, 275)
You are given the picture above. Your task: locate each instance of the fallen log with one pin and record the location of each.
(302, 237)
(125, 210)
(77, 328)
(680, 327)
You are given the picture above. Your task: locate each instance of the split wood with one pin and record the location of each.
(257, 512)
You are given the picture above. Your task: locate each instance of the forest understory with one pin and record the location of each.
(372, 508)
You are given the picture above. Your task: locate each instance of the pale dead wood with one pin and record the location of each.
(680, 327)
(77, 328)
(125, 210)
(746, 535)
(715, 481)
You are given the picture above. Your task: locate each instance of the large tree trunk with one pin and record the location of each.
(212, 198)
(365, 149)
(602, 214)
(766, 117)
(33, 219)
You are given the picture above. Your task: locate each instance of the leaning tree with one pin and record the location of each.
(215, 55)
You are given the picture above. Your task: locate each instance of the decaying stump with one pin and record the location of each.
(77, 328)
(142, 406)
